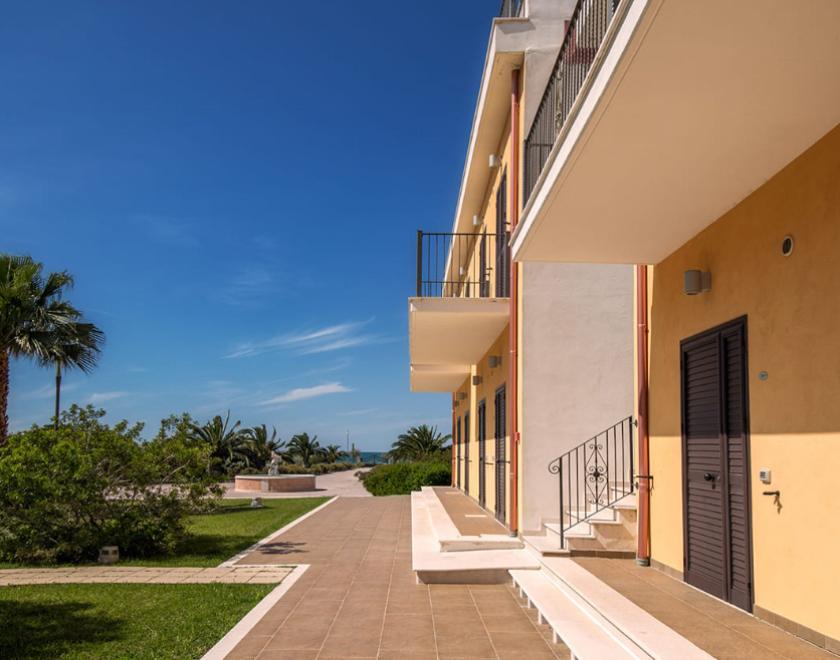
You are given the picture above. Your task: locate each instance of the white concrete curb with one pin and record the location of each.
(236, 634)
(233, 560)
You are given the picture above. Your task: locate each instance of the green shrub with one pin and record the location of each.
(65, 493)
(402, 478)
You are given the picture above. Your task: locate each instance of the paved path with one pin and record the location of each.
(136, 575)
(719, 629)
(345, 484)
(359, 598)
(467, 516)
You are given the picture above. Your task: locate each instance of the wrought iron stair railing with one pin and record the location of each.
(594, 475)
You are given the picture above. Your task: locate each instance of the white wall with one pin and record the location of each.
(577, 373)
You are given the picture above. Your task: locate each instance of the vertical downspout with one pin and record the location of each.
(643, 549)
(513, 363)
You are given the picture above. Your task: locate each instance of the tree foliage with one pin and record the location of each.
(68, 491)
(36, 322)
(418, 443)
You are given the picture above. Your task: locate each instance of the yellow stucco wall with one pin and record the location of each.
(469, 255)
(793, 326)
(491, 380)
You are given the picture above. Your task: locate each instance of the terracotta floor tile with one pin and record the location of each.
(408, 632)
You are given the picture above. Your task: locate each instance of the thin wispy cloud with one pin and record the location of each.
(302, 393)
(252, 284)
(330, 338)
(98, 398)
(356, 413)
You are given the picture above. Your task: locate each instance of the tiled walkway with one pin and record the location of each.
(359, 598)
(466, 515)
(716, 627)
(133, 575)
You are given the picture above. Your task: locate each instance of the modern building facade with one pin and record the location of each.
(538, 357)
(706, 151)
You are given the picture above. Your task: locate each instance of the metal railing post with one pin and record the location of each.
(419, 262)
(562, 522)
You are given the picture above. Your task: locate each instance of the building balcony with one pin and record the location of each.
(661, 115)
(461, 305)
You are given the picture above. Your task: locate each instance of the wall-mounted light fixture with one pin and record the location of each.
(461, 270)
(494, 161)
(476, 380)
(462, 396)
(494, 361)
(696, 282)
(476, 221)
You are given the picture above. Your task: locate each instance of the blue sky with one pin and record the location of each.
(236, 188)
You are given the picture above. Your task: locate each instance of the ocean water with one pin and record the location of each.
(371, 457)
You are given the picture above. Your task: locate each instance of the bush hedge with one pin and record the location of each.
(402, 478)
(65, 493)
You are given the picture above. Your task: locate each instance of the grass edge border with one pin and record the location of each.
(241, 555)
(235, 635)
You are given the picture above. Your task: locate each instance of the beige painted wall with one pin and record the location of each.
(577, 368)
(793, 310)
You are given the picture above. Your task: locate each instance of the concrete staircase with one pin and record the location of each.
(594, 620)
(610, 532)
(591, 618)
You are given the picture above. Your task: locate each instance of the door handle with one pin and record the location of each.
(709, 476)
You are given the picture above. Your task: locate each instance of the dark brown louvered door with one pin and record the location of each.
(482, 452)
(466, 461)
(716, 464)
(501, 458)
(459, 444)
(502, 238)
(484, 281)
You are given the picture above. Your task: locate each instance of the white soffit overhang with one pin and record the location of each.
(697, 104)
(454, 331)
(510, 39)
(438, 377)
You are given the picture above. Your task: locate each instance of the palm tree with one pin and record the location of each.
(33, 317)
(334, 453)
(228, 443)
(305, 448)
(74, 346)
(417, 444)
(263, 446)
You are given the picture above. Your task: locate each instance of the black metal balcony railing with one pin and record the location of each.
(584, 35)
(594, 475)
(458, 265)
(511, 8)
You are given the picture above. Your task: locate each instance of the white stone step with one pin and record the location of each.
(544, 545)
(447, 534)
(588, 635)
(481, 566)
(647, 632)
(582, 530)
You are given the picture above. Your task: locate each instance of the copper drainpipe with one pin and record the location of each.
(644, 479)
(514, 308)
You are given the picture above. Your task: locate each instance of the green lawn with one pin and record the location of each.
(218, 536)
(120, 620)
